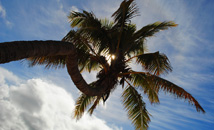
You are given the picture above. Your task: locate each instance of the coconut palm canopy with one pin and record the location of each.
(110, 47)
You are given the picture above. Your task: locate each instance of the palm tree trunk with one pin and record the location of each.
(17, 50)
(72, 68)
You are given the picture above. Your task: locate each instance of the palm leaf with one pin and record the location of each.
(81, 105)
(127, 40)
(155, 63)
(122, 16)
(48, 61)
(69, 36)
(136, 108)
(125, 12)
(78, 19)
(93, 30)
(157, 83)
(140, 80)
(151, 29)
(137, 47)
(106, 23)
(93, 107)
(86, 60)
(80, 41)
(91, 63)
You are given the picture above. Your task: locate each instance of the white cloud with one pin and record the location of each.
(8, 76)
(44, 20)
(3, 16)
(102, 9)
(36, 104)
(2, 11)
(74, 8)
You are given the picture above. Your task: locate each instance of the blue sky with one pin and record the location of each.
(35, 98)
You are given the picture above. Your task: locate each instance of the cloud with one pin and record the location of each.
(3, 16)
(42, 20)
(2, 11)
(74, 8)
(176, 114)
(37, 104)
(8, 76)
(102, 9)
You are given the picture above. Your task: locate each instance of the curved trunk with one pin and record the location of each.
(72, 68)
(17, 50)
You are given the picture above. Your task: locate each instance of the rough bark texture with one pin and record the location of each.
(16, 50)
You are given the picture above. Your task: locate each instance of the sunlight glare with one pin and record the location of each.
(110, 58)
(113, 57)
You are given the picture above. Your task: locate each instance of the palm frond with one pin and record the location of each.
(158, 83)
(106, 23)
(122, 16)
(155, 63)
(86, 60)
(127, 40)
(136, 108)
(81, 105)
(93, 29)
(69, 36)
(93, 107)
(48, 61)
(140, 80)
(137, 47)
(80, 41)
(78, 19)
(90, 63)
(125, 12)
(151, 29)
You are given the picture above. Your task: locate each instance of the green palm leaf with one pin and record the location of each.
(125, 12)
(140, 80)
(136, 108)
(48, 61)
(69, 36)
(137, 47)
(151, 29)
(127, 41)
(83, 19)
(81, 105)
(86, 60)
(89, 64)
(155, 63)
(93, 30)
(93, 107)
(80, 41)
(157, 83)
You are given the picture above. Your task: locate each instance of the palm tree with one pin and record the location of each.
(109, 47)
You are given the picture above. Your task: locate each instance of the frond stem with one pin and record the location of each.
(141, 54)
(127, 82)
(133, 72)
(132, 58)
(97, 56)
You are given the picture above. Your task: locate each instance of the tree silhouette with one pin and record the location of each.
(108, 47)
